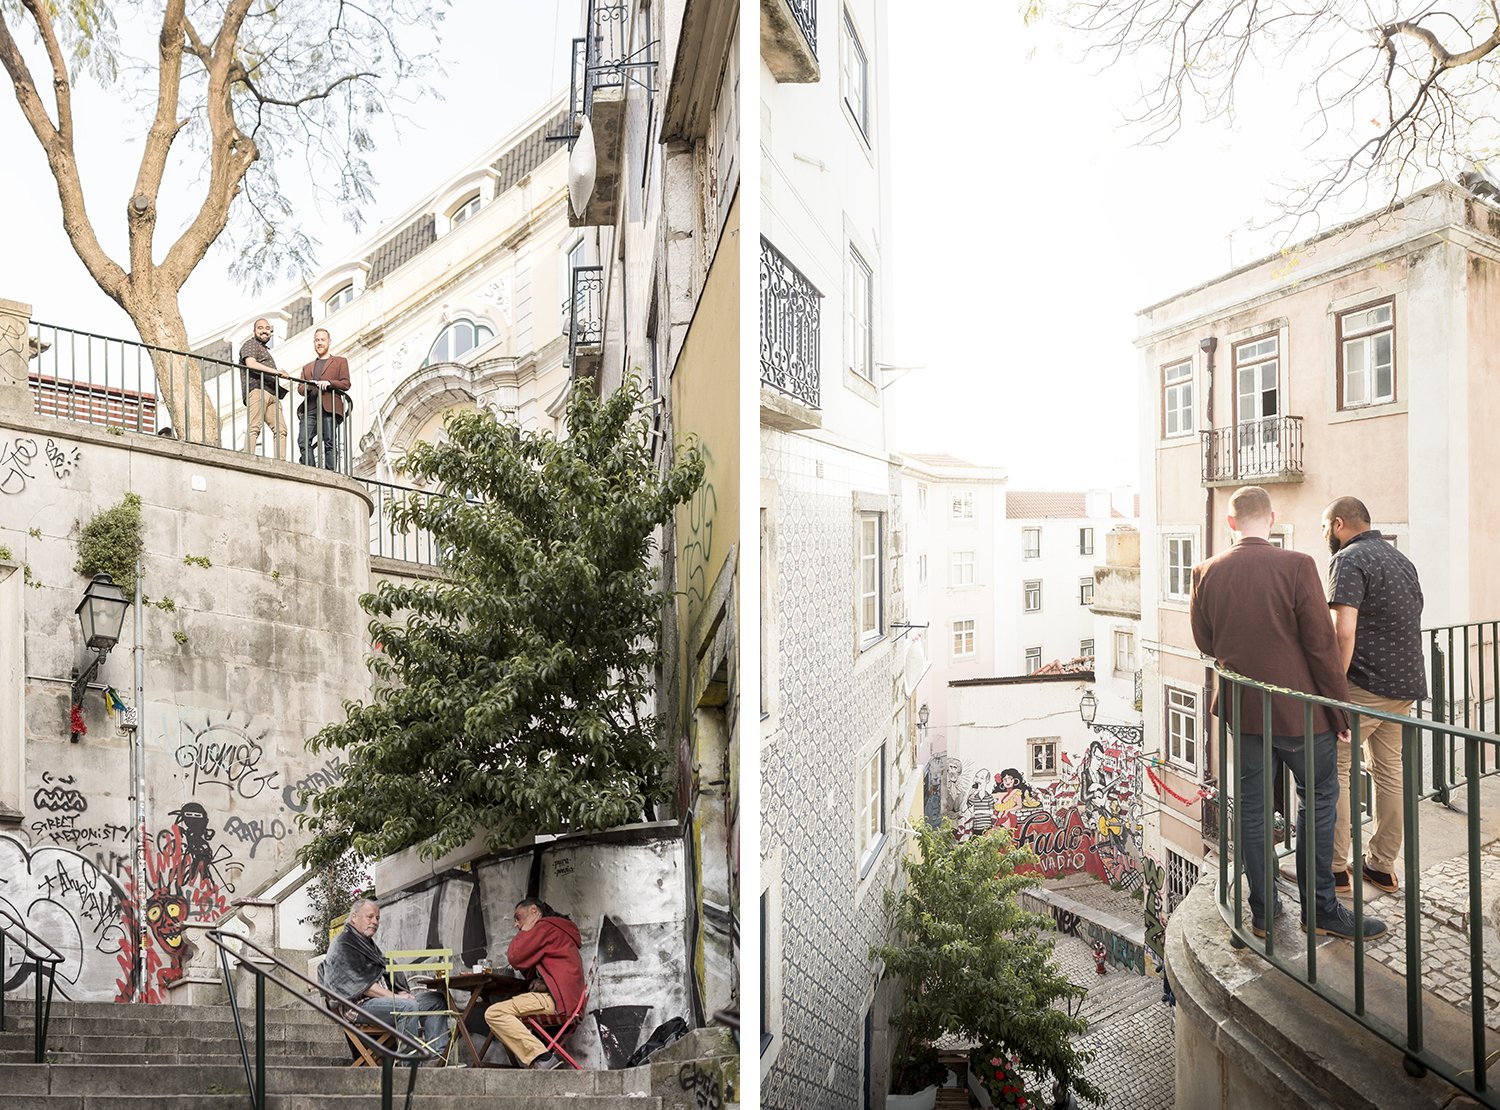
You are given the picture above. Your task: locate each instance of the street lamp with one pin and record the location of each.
(1088, 709)
(923, 716)
(100, 615)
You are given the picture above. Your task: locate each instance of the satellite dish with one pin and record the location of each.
(582, 167)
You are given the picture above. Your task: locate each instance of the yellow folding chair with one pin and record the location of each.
(434, 963)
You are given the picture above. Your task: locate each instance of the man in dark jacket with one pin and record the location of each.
(1260, 612)
(546, 948)
(325, 381)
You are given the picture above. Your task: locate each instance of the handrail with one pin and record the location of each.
(52, 957)
(1418, 1058)
(257, 1079)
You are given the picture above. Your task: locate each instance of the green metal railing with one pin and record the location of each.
(1464, 665)
(260, 966)
(44, 961)
(1433, 733)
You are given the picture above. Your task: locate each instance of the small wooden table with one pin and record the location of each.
(486, 988)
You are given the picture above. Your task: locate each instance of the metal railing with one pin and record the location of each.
(805, 12)
(390, 536)
(255, 1073)
(44, 961)
(119, 384)
(1464, 664)
(585, 310)
(1254, 450)
(1405, 1033)
(790, 307)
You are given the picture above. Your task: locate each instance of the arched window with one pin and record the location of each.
(339, 298)
(457, 340)
(465, 210)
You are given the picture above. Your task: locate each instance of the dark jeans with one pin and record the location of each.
(1253, 801)
(324, 426)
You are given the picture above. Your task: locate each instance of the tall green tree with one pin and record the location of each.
(235, 94)
(974, 964)
(510, 694)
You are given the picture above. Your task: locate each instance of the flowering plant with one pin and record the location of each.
(1000, 1076)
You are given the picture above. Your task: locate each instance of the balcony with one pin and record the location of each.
(1254, 451)
(602, 68)
(790, 307)
(789, 40)
(585, 315)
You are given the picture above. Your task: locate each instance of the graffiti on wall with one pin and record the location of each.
(23, 460)
(224, 755)
(1087, 820)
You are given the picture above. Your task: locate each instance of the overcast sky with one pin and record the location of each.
(1030, 228)
(503, 60)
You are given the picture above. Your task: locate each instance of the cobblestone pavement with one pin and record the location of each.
(1091, 892)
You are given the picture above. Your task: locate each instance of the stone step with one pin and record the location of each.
(235, 1100)
(158, 1015)
(183, 1044)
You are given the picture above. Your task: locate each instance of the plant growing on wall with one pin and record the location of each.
(975, 965)
(111, 543)
(331, 894)
(509, 695)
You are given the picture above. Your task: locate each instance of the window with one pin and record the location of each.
(1182, 876)
(465, 210)
(1043, 756)
(765, 966)
(1182, 728)
(1085, 591)
(1257, 370)
(921, 570)
(963, 568)
(922, 498)
(457, 340)
(859, 338)
(870, 600)
(856, 77)
(1177, 399)
(871, 809)
(963, 639)
(1124, 651)
(1033, 659)
(1031, 592)
(1367, 361)
(339, 298)
(1085, 649)
(1031, 543)
(1277, 539)
(1179, 562)
(1085, 541)
(963, 505)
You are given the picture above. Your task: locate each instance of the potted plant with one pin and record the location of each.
(915, 1077)
(998, 1075)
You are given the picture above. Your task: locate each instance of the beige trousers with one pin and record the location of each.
(504, 1020)
(262, 408)
(1382, 752)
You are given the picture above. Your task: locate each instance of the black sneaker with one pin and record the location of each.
(1384, 880)
(1340, 923)
(545, 1062)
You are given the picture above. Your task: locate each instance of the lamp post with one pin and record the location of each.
(1088, 709)
(100, 614)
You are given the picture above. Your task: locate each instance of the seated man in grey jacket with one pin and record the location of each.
(355, 969)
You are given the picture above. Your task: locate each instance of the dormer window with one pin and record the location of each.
(465, 210)
(339, 298)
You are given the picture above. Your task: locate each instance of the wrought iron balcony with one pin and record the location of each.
(790, 307)
(1263, 451)
(586, 321)
(789, 39)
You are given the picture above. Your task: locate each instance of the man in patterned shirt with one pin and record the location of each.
(262, 390)
(1376, 603)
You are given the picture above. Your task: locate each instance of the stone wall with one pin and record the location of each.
(253, 640)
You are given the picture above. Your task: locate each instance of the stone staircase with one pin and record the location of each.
(106, 1056)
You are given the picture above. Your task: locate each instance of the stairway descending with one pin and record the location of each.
(107, 1056)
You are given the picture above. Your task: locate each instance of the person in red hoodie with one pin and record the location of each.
(546, 948)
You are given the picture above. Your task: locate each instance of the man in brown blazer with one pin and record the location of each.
(325, 381)
(1260, 612)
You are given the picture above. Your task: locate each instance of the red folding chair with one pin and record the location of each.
(562, 1028)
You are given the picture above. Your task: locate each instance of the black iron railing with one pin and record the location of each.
(1254, 450)
(805, 12)
(1464, 664)
(1404, 1031)
(44, 960)
(391, 535)
(790, 307)
(585, 310)
(260, 966)
(136, 387)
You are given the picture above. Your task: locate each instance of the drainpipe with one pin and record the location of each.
(1208, 346)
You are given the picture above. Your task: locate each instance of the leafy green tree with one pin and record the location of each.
(509, 694)
(975, 965)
